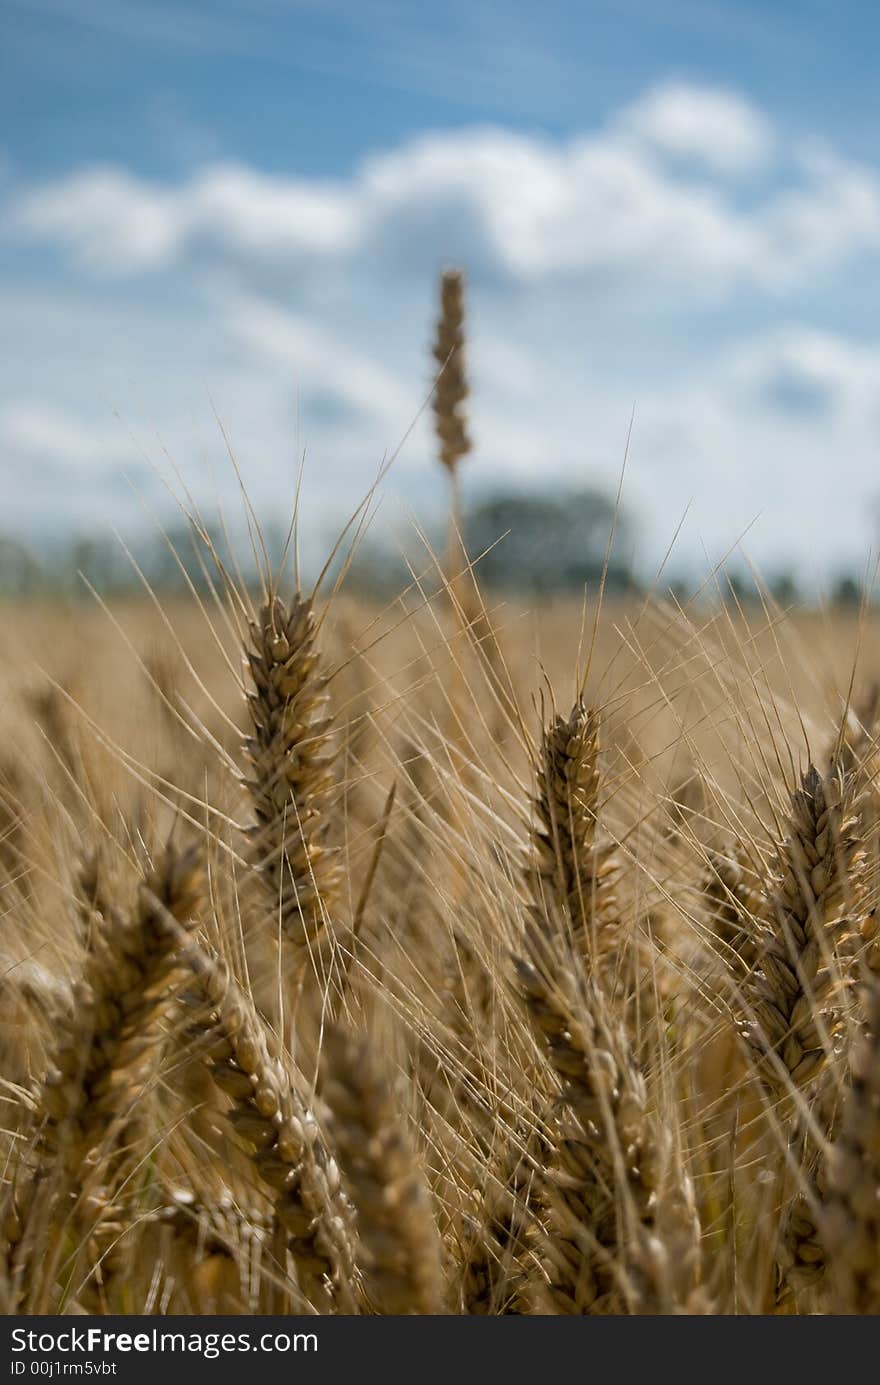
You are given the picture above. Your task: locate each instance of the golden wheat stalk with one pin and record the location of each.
(736, 905)
(604, 1250)
(573, 874)
(795, 1019)
(497, 1241)
(850, 1219)
(106, 1052)
(450, 423)
(291, 782)
(212, 1254)
(105, 1057)
(399, 1245)
(270, 1115)
(451, 388)
(801, 1256)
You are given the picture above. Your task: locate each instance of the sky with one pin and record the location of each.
(221, 227)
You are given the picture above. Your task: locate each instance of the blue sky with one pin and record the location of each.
(236, 212)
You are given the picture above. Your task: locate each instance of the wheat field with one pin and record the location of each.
(445, 956)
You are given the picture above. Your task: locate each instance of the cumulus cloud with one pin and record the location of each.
(602, 269)
(517, 208)
(803, 372)
(120, 224)
(36, 429)
(762, 428)
(68, 469)
(317, 362)
(716, 128)
(534, 211)
(832, 213)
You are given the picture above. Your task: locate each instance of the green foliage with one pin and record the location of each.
(846, 590)
(549, 541)
(173, 561)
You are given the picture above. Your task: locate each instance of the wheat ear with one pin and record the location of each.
(291, 756)
(451, 388)
(603, 1250)
(801, 1256)
(450, 424)
(496, 1245)
(736, 905)
(573, 875)
(106, 1054)
(268, 1112)
(850, 1220)
(399, 1243)
(795, 1019)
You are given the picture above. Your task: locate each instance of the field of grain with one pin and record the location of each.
(375, 960)
(447, 956)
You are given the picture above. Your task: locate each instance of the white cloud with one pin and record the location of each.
(523, 209)
(716, 128)
(781, 432)
(801, 372)
(592, 264)
(534, 211)
(113, 222)
(784, 425)
(41, 430)
(832, 215)
(316, 361)
(120, 224)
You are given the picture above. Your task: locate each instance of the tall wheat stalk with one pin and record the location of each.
(573, 874)
(795, 993)
(448, 401)
(399, 1245)
(290, 1155)
(106, 1052)
(850, 1219)
(621, 1235)
(291, 754)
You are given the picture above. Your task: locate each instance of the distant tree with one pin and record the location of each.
(101, 561)
(738, 588)
(379, 570)
(680, 591)
(178, 558)
(784, 589)
(20, 572)
(549, 541)
(846, 590)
